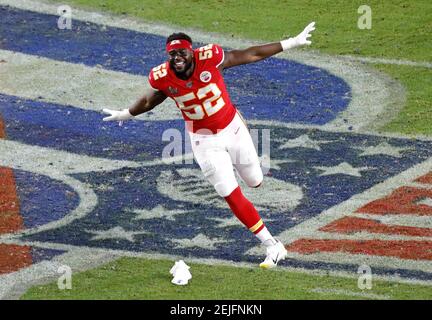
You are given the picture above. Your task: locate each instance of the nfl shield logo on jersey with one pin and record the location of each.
(205, 76)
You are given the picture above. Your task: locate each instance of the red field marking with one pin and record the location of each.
(12, 257)
(10, 218)
(401, 201)
(349, 225)
(426, 179)
(413, 250)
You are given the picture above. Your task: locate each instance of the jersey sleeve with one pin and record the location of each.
(212, 54)
(152, 81)
(218, 55)
(156, 76)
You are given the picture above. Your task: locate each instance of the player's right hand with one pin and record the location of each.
(116, 115)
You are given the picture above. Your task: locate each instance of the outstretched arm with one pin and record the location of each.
(146, 103)
(251, 54)
(256, 53)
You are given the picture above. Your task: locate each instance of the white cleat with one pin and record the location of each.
(275, 253)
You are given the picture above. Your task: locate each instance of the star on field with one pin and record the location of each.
(200, 241)
(157, 212)
(342, 168)
(303, 141)
(117, 233)
(383, 148)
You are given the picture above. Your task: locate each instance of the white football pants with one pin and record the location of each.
(218, 154)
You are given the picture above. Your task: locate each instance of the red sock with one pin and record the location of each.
(245, 211)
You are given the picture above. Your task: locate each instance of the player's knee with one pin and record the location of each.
(224, 189)
(258, 185)
(255, 179)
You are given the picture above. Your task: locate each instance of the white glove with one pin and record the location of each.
(301, 39)
(116, 115)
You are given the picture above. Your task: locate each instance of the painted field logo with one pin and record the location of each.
(389, 226)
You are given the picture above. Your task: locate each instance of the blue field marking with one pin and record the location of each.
(274, 89)
(42, 199)
(80, 131)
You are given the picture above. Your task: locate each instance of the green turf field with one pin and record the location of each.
(134, 278)
(400, 30)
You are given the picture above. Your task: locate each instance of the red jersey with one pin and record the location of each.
(203, 98)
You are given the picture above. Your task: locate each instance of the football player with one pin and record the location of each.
(219, 137)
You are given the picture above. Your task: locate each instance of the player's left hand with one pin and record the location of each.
(302, 38)
(299, 40)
